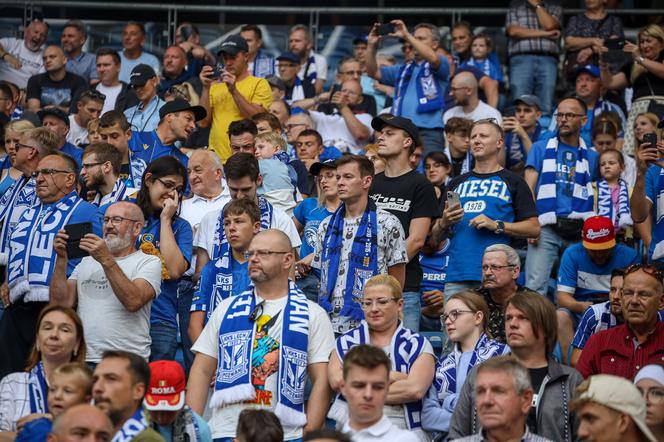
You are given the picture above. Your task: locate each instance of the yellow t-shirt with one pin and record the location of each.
(225, 111)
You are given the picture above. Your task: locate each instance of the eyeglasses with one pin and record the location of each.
(648, 270)
(568, 116)
(51, 172)
(453, 315)
(653, 395)
(171, 186)
(262, 253)
(493, 267)
(21, 146)
(381, 303)
(91, 165)
(115, 220)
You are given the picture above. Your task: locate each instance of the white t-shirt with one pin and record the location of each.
(319, 66)
(32, 62)
(265, 369)
(108, 325)
(481, 112)
(205, 235)
(381, 431)
(77, 135)
(334, 130)
(111, 93)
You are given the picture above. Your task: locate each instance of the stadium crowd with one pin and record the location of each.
(212, 246)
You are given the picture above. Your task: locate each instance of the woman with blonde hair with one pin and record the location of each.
(413, 360)
(645, 75)
(8, 173)
(465, 321)
(59, 341)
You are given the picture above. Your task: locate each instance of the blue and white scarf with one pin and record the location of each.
(621, 218)
(406, 346)
(119, 193)
(236, 337)
(658, 228)
(445, 380)
(313, 75)
(362, 262)
(263, 65)
(38, 389)
(132, 427)
(32, 254)
(296, 93)
(429, 94)
(583, 195)
(221, 246)
(16, 200)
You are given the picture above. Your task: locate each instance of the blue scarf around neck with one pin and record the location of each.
(362, 262)
(133, 426)
(263, 65)
(236, 343)
(38, 389)
(16, 200)
(429, 94)
(621, 218)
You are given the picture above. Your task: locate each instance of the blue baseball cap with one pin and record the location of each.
(590, 69)
(289, 56)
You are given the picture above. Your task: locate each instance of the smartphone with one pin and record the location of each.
(335, 88)
(185, 32)
(386, 28)
(217, 70)
(651, 139)
(509, 112)
(614, 44)
(453, 199)
(76, 232)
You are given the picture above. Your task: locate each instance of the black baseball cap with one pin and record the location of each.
(55, 112)
(141, 74)
(180, 105)
(233, 45)
(528, 100)
(289, 56)
(379, 122)
(327, 164)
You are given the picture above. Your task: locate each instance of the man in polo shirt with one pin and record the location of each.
(235, 95)
(624, 349)
(144, 117)
(585, 273)
(79, 62)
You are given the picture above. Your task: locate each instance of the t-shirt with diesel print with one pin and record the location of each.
(407, 197)
(501, 196)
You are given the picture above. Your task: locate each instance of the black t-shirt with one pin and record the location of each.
(537, 376)
(407, 197)
(62, 93)
(640, 85)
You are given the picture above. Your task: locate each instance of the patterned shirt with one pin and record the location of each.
(496, 323)
(521, 14)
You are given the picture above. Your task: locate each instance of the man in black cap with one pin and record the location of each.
(144, 117)
(177, 120)
(407, 194)
(234, 95)
(57, 121)
(296, 89)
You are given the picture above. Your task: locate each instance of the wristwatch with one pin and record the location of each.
(500, 228)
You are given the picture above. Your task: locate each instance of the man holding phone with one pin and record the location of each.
(522, 129)
(31, 257)
(648, 196)
(235, 95)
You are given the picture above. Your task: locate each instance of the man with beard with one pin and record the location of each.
(83, 64)
(22, 58)
(100, 173)
(114, 287)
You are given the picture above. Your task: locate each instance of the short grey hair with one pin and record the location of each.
(510, 254)
(435, 32)
(509, 365)
(303, 28)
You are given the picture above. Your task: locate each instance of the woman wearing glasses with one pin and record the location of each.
(412, 356)
(650, 382)
(465, 321)
(169, 237)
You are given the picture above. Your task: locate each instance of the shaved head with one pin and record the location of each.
(465, 79)
(276, 235)
(131, 210)
(81, 420)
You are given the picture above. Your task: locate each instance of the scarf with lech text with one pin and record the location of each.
(429, 95)
(236, 342)
(32, 255)
(362, 262)
(405, 348)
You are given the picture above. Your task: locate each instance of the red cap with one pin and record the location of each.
(166, 391)
(598, 233)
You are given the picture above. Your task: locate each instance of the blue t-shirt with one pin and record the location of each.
(431, 120)
(566, 156)
(501, 196)
(587, 281)
(148, 147)
(434, 269)
(164, 308)
(654, 192)
(75, 152)
(310, 215)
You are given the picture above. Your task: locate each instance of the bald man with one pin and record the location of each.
(464, 91)
(56, 86)
(255, 319)
(81, 422)
(115, 279)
